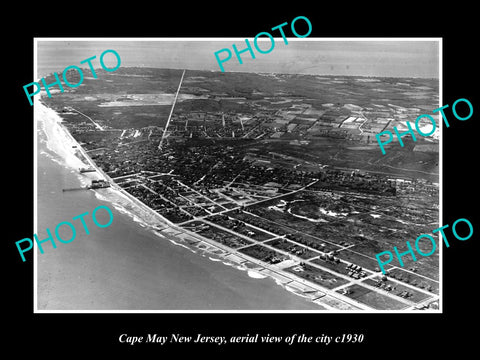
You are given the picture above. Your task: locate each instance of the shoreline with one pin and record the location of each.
(164, 229)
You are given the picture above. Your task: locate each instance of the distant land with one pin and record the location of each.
(315, 109)
(316, 56)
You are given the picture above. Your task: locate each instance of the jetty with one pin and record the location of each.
(87, 169)
(96, 184)
(74, 189)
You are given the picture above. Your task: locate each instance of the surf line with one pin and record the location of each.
(70, 225)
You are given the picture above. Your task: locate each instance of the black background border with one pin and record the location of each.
(385, 334)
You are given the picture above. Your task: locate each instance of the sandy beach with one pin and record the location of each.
(61, 143)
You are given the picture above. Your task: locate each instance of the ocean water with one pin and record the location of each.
(308, 56)
(126, 266)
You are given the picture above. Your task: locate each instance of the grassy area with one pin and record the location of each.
(399, 289)
(263, 253)
(372, 298)
(292, 248)
(414, 279)
(317, 276)
(222, 237)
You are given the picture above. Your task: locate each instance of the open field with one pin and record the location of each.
(375, 299)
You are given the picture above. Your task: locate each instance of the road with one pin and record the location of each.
(88, 117)
(331, 292)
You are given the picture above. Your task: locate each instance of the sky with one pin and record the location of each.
(319, 56)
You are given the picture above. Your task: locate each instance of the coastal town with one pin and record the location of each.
(280, 173)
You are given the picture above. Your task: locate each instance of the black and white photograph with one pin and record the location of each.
(237, 190)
